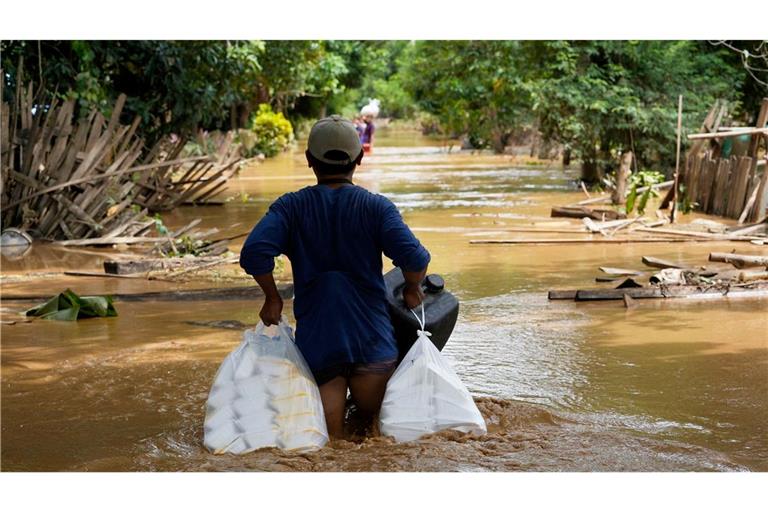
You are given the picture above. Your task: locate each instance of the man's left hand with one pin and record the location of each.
(271, 311)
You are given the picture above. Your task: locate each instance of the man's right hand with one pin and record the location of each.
(412, 295)
(271, 311)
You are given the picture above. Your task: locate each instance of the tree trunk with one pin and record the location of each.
(591, 172)
(619, 193)
(498, 141)
(233, 117)
(534, 143)
(566, 156)
(245, 114)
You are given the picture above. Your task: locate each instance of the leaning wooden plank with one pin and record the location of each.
(88, 179)
(739, 260)
(753, 289)
(721, 186)
(762, 119)
(739, 187)
(758, 209)
(232, 293)
(754, 189)
(654, 262)
(113, 240)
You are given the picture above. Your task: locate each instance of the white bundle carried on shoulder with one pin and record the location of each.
(371, 109)
(264, 395)
(425, 395)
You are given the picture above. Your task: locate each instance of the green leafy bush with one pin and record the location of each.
(640, 180)
(273, 132)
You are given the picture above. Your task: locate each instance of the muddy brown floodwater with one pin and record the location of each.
(677, 385)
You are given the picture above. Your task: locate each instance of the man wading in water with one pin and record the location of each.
(334, 234)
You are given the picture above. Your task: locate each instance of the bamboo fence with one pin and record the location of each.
(70, 177)
(732, 187)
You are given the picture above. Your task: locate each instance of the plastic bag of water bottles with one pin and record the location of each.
(425, 395)
(264, 395)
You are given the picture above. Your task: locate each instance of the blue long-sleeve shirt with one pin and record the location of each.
(335, 239)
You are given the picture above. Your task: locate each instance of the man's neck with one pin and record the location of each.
(335, 180)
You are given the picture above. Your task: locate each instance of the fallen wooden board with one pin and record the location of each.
(620, 271)
(578, 212)
(113, 240)
(148, 264)
(654, 262)
(561, 294)
(212, 294)
(195, 268)
(698, 234)
(756, 289)
(739, 260)
(592, 226)
(110, 275)
(751, 228)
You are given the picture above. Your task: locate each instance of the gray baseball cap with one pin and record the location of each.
(334, 133)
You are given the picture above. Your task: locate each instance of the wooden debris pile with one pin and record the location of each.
(747, 277)
(65, 177)
(644, 230)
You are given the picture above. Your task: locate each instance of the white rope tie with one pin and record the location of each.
(421, 321)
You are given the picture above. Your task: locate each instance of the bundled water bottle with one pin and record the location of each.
(264, 395)
(425, 395)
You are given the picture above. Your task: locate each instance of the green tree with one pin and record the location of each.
(475, 88)
(603, 97)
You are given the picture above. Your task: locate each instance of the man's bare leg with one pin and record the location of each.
(334, 396)
(367, 391)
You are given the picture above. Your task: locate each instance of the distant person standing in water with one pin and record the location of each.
(369, 112)
(366, 138)
(334, 234)
(359, 126)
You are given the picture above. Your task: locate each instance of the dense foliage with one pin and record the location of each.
(595, 98)
(273, 132)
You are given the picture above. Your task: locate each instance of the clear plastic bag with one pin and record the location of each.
(425, 395)
(264, 395)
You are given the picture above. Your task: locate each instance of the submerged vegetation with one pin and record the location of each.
(594, 99)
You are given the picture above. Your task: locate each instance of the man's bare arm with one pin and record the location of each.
(412, 294)
(273, 303)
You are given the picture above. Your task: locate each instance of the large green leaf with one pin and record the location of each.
(68, 306)
(631, 198)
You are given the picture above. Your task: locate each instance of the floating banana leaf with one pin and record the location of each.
(69, 306)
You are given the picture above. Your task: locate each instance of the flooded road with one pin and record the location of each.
(676, 385)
